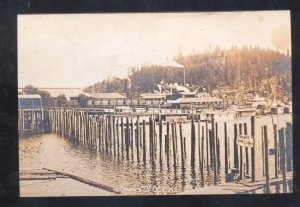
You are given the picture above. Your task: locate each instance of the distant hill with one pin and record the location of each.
(209, 70)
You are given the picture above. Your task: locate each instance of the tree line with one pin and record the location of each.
(209, 69)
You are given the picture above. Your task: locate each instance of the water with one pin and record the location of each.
(131, 178)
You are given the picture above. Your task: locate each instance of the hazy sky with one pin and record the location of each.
(76, 50)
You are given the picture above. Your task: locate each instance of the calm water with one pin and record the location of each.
(130, 177)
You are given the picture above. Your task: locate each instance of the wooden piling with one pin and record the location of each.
(181, 145)
(127, 138)
(173, 144)
(253, 148)
(199, 143)
(137, 140)
(160, 141)
(266, 159)
(118, 141)
(282, 146)
(226, 151)
(122, 137)
(193, 140)
(276, 149)
(144, 141)
(131, 138)
(207, 143)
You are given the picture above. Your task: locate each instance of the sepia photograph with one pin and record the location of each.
(179, 103)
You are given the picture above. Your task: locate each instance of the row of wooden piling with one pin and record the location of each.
(143, 139)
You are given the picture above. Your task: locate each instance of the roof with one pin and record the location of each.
(153, 95)
(30, 96)
(68, 92)
(107, 95)
(200, 99)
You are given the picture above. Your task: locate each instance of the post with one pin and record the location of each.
(193, 139)
(137, 140)
(276, 150)
(118, 142)
(266, 159)
(253, 148)
(173, 144)
(207, 140)
(181, 145)
(282, 144)
(167, 141)
(235, 147)
(131, 138)
(202, 149)
(226, 151)
(144, 141)
(150, 139)
(127, 138)
(289, 147)
(122, 137)
(160, 141)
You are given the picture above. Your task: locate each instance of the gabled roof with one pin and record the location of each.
(29, 96)
(200, 99)
(107, 95)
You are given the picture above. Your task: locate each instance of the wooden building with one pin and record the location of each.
(200, 102)
(29, 101)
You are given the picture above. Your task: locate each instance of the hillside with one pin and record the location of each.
(251, 67)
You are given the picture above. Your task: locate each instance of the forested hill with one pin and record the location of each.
(247, 65)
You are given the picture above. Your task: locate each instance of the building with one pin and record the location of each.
(200, 102)
(153, 98)
(29, 101)
(106, 99)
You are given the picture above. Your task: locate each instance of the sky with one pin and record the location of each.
(77, 50)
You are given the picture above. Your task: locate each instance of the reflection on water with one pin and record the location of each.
(129, 176)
